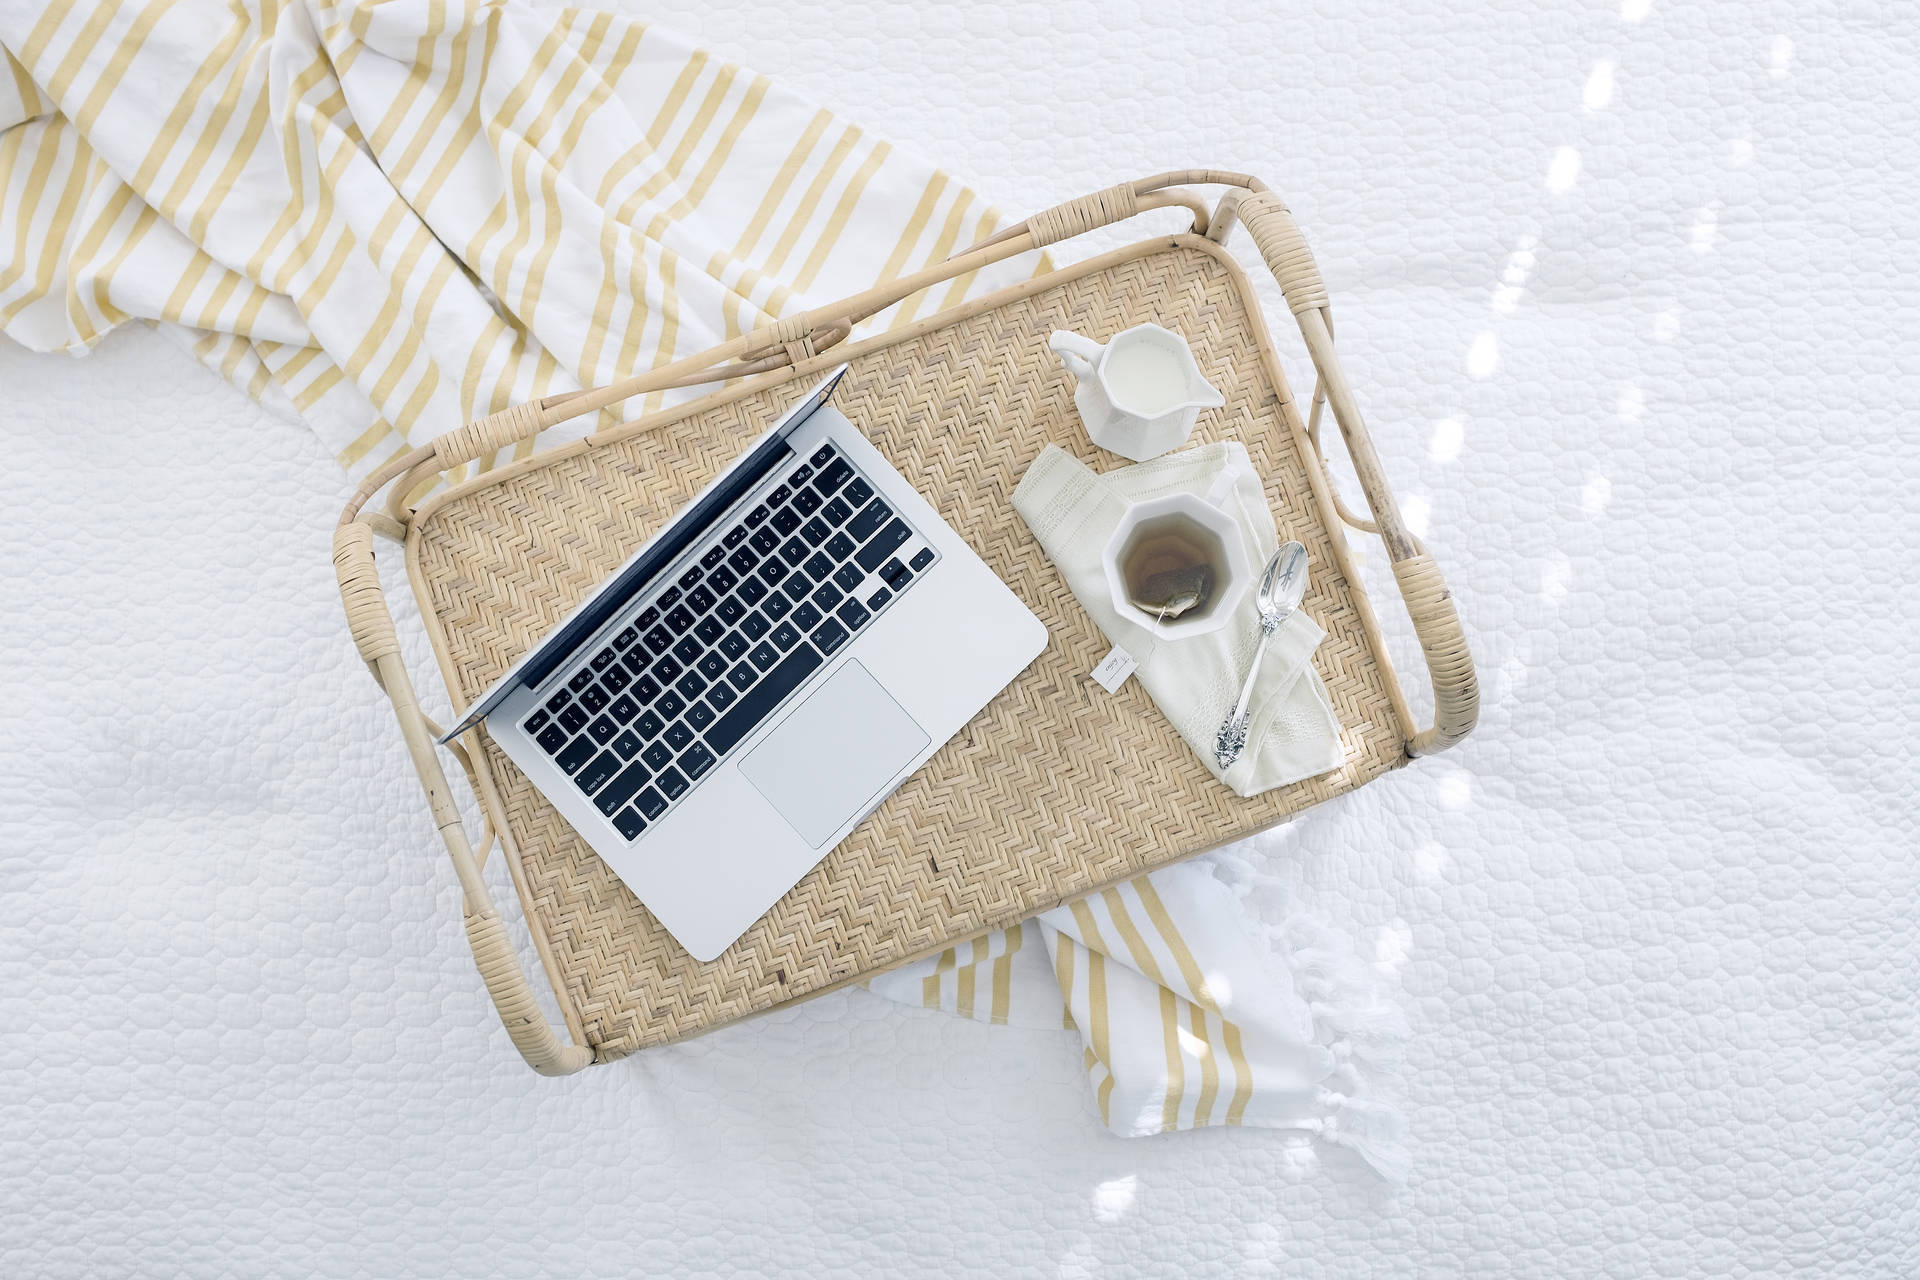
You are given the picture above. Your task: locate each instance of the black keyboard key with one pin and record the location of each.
(627, 744)
(615, 678)
(573, 719)
(604, 766)
(536, 722)
(580, 679)
(636, 659)
(687, 649)
(732, 645)
(559, 700)
(721, 696)
(624, 709)
(679, 620)
(857, 493)
(818, 567)
(735, 536)
(602, 730)
(742, 676)
(754, 626)
(752, 591)
(883, 545)
(666, 669)
(798, 586)
(921, 559)
(651, 803)
(670, 705)
(786, 520)
(744, 559)
(852, 616)
(815, 531)
(625, 639)
(830, 635)
(891, 570)
(868, 522)
(691, 685)
(594, 699)
(898, 581)
(578, 752)
(772, 570)
(678, 736)
(831, 478)
(621, 789)
(713, 557)
(764, 655)
(658, 756)
(696, 760)
(552, 738)
(669, 598)
(700, 599)
(710, 629)
(822, 455)
(713, 666)
(780, 494)
(879, 598)
(848, 576)
(730, 611)
(755, 516)
(835, 513)
(648, 617)
(806, 617)
(776, 607)
(801, 474)
(645, 690)
(689, 578)
(806, 502)
(793, 551)
(827, 596)
(603, 659)
(673, 784)
(722, 580)
(700, 715)
(762, 699)
(649, 724)
(658, 639)
(764, 540)
(786, 635)
(629, 824)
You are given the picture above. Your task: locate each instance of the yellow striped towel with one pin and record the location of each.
(387, 219)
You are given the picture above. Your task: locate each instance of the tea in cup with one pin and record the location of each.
(1177, 565)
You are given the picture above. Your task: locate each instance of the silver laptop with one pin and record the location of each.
(760, 675)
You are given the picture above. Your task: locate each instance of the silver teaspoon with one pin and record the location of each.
(1281, 586)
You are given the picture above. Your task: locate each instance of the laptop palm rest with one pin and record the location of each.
(831, 757)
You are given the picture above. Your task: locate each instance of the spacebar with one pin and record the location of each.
(757, 702)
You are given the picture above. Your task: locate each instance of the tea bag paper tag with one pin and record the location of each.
(1113, 670)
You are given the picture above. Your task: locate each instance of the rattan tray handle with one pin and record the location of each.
(788, 342)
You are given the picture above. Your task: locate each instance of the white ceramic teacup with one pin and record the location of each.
(1215, 532)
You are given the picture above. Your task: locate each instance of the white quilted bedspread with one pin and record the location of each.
(1630, 298)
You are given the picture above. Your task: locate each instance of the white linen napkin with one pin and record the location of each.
(1292, 732)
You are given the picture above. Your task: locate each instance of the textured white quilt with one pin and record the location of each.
(1630, 297)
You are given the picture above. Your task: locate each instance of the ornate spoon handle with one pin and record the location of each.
(1232, 738)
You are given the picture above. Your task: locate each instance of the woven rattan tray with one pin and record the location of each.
(1055, 789)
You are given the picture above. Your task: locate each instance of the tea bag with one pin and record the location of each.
(1172, 592)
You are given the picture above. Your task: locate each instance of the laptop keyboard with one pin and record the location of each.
(701, 663)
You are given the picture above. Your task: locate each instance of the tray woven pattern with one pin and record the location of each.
(1055, 789)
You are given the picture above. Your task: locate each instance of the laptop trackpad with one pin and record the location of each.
(829, 759)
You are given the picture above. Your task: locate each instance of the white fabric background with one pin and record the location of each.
(1655, 925)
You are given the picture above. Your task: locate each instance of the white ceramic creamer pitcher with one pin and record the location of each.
(1140, 394)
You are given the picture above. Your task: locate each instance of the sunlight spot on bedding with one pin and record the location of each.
(1215, 987)
(1599, 90)
(1448, 436)
(1781, 57)
(1416, 509)
(1483, 357)
(1112, 1199)
(1740, 154)
(1635, 10)
(1564, 170)
(1454, 789)
(1392, 944)
(1595, 497)
(1666, 325)
(1706, 226)
(1301, 1157)
(1192, 1045)
(1430, 861)
(1631, 404)
(1555, 579)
